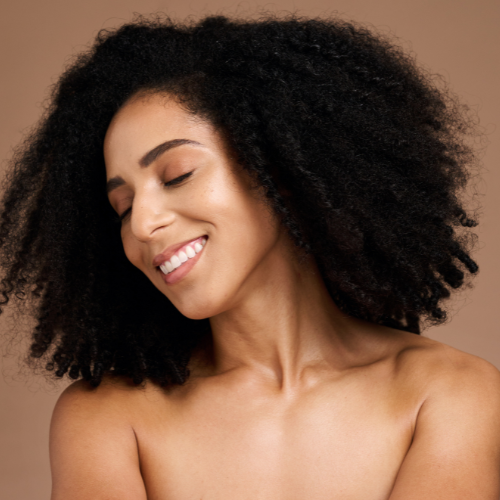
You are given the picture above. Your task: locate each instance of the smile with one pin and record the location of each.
(183, 255)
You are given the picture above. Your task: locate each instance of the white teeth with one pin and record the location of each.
(176, 262)
(183, 256)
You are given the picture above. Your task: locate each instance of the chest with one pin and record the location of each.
(347, 446)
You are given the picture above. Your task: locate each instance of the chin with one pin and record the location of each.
(197, 309)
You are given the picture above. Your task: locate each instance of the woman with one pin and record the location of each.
(288, 198)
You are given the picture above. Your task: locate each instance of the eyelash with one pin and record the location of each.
(173, 182)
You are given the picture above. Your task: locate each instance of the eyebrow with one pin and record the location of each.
(150, 157)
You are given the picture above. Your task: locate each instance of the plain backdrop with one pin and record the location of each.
(458, 39)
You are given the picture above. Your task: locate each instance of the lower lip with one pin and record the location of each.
(177, 274)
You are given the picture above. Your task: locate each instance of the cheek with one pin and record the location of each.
(245, 227)
(230, 202)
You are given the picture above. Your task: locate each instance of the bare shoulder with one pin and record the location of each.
(112, 392)
(116, 403)
(455, 451)
(93, 447)
(441, 368)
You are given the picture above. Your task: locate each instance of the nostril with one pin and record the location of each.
(147, 222)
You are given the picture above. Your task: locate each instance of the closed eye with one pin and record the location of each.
(178, 180)
(123, 215)
(173, 182)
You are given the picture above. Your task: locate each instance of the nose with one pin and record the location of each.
(148, 217)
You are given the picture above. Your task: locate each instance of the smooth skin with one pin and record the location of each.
(290, 399)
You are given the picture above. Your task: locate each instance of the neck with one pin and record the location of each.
(283, 325)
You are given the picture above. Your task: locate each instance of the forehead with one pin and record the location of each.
(144, 122)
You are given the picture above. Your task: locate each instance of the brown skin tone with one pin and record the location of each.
(290, 398)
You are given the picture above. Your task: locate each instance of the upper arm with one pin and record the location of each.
(93, 450)
(455, 453)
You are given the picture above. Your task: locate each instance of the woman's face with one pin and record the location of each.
(187, 206)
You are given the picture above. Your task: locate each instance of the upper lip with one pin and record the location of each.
(170, 251)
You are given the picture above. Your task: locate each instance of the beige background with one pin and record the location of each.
(457, 38)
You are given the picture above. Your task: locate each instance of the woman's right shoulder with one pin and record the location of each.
(115, 399)
(111, 388)
(113, 394)
(93, 446)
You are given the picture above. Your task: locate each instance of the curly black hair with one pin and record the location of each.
(372, 152)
